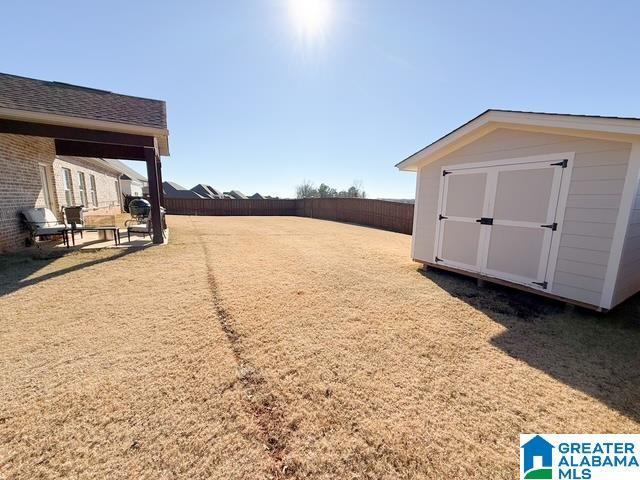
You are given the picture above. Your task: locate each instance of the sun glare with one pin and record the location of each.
(310, 17)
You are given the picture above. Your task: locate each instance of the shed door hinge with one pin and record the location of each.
(445, 173)
(438, 259)
(485, 221)
(564, 163)
(553, 226)
(542, 284)
(442, 217)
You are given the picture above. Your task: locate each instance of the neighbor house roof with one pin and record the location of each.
(256, 196)
(207, 191)
(57, 103)
(616, 128)
(237, 194)
(174, 190)
(90, 162)
(125, 170)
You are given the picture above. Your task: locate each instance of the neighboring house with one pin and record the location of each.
(89, 182)
(207, 191)
(53, 137)
(256, 196)
(131, 186)
(545, 202)
(235, 194)
(173, 190)
(132, 183)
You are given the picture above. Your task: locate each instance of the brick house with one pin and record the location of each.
(59, 146)
(131, 182)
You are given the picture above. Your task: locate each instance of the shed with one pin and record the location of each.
(548, 203)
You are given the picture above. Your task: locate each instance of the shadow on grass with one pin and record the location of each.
(16, 269)
(597, 354)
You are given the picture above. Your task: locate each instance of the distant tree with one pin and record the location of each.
(325, 191)
(306, 190)
(356, 190)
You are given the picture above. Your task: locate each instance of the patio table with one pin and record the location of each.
(74, 228)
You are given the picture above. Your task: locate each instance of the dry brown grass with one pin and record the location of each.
(255, 347)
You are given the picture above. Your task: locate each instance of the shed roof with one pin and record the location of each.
(568, 124)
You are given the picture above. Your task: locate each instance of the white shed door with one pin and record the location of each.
(500, 220)
(460, 233)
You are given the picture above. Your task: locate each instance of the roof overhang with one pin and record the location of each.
(161, 136)
(606, 128)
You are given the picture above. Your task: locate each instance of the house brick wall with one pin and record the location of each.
(107, 192)
(20, 185)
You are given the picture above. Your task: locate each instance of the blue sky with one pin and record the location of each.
(254, 106)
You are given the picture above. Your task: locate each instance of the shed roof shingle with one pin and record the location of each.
(28, 94)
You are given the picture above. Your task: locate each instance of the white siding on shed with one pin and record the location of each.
(595, 192)
(628, 281)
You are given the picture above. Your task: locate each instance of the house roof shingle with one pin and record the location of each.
(28, 94)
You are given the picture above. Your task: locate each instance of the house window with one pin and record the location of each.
(82, 187)
(94, 193)
(46, 189)
(68, 186)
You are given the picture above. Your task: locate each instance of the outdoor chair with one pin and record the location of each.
(133, 226)
(74, 216)
(42, 222)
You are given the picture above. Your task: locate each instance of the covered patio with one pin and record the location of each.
(109, 233)
(86, 122)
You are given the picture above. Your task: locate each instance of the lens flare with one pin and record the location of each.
(310, 17)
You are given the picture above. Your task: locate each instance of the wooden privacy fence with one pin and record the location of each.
(207, 206)
(394, 216)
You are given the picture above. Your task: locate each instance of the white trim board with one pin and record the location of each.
(512, 161)
(416, 201)
(629, 192)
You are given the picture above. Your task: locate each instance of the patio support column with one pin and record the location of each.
(152, 160)
(160, 182)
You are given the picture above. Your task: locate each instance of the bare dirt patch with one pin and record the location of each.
(255, 347)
